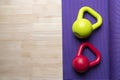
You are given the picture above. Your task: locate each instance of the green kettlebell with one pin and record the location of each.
(82, 28)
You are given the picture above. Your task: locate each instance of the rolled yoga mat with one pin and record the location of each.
(99, 38)
(114, 11)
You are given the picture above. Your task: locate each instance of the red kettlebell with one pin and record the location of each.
(81, 63)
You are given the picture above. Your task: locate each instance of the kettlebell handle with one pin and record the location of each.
(93, 49)
(93, 13)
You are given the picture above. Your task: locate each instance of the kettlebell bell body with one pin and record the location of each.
(81, 63)
(82, 28)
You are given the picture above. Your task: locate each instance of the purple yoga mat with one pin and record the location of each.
(99, 38)
(114, 11)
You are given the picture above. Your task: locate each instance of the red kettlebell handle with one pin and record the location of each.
(93, 49)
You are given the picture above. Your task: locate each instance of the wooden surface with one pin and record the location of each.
(30, 40)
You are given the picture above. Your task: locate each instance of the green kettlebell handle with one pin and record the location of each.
(93, 13)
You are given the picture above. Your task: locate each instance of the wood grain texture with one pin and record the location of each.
(30, 40)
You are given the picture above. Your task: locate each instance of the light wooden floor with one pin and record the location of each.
(30, 40)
